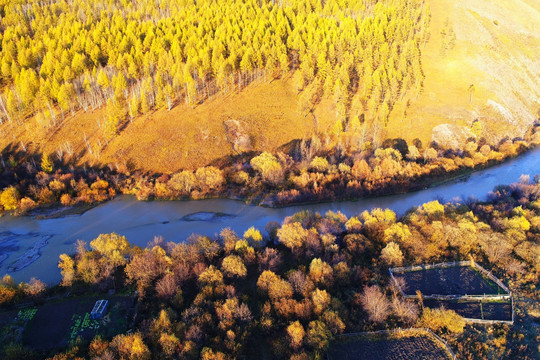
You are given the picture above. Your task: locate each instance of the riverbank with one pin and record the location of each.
(383, 172)
(308, 264)
(412, 185)
(141, 221)
(58, 211)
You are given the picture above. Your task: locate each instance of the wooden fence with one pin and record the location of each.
(431, 266)
(491, 277)
(461, 297)
(483, 321)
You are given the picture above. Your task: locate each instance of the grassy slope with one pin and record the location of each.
(186, 137)
(183, 137)
(499, 59)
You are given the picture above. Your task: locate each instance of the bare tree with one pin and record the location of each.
(406, 310)
(497, 248)
(166, 286)
(375, 303)
(4, 110)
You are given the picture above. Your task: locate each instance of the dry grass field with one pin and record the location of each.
(184, 137)
(492, 45)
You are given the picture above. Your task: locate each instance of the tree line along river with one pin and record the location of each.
(176, 220)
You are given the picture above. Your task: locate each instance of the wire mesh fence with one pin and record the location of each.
(499, 297)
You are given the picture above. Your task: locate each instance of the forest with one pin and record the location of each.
(294, 286)
(100, 98)
(58, 57)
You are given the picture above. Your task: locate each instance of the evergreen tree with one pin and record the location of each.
(46, 164)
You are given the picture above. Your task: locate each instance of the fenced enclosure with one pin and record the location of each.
(463, 286)
(413, 343)
(481, 310)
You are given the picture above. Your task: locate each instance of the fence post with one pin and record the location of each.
(512, 309)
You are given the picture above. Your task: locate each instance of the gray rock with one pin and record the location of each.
(237, 135)
(450, 136)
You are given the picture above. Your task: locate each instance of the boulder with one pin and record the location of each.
(450, 136)
(237, 135)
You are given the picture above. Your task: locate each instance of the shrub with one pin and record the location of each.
(27, 204)
(209, 178)
(319, 164)
(10, 198)
(182, 182)
(442, 320)
(269, 167)
(413, 153)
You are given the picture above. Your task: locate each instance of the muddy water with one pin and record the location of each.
(176, 220)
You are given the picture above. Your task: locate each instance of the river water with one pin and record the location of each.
(141, 221)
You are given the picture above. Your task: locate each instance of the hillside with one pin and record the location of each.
(494, 50)
(490, 45)
(183, 137)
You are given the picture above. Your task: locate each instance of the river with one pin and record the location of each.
(176, 220)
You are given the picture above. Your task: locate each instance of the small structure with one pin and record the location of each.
(99, 309)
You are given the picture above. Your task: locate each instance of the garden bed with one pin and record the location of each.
(453, 280)
(410, 344)
(58, 324)
(481, 310)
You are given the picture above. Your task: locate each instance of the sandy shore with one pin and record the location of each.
(30, 255)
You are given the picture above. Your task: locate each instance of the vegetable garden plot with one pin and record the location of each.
(12, 323)
(457, 280)
(82, 325)
(26, 314)
(58, 324)
(388, 347)
(465, 287)
(482, 310)
(53, 321)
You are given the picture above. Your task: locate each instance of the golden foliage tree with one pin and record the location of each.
(113, 247)
(392, 254)
(10, 198)
(292, 235)
(296, 334)
(67, 269)
(233, 266)
(269, 167)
